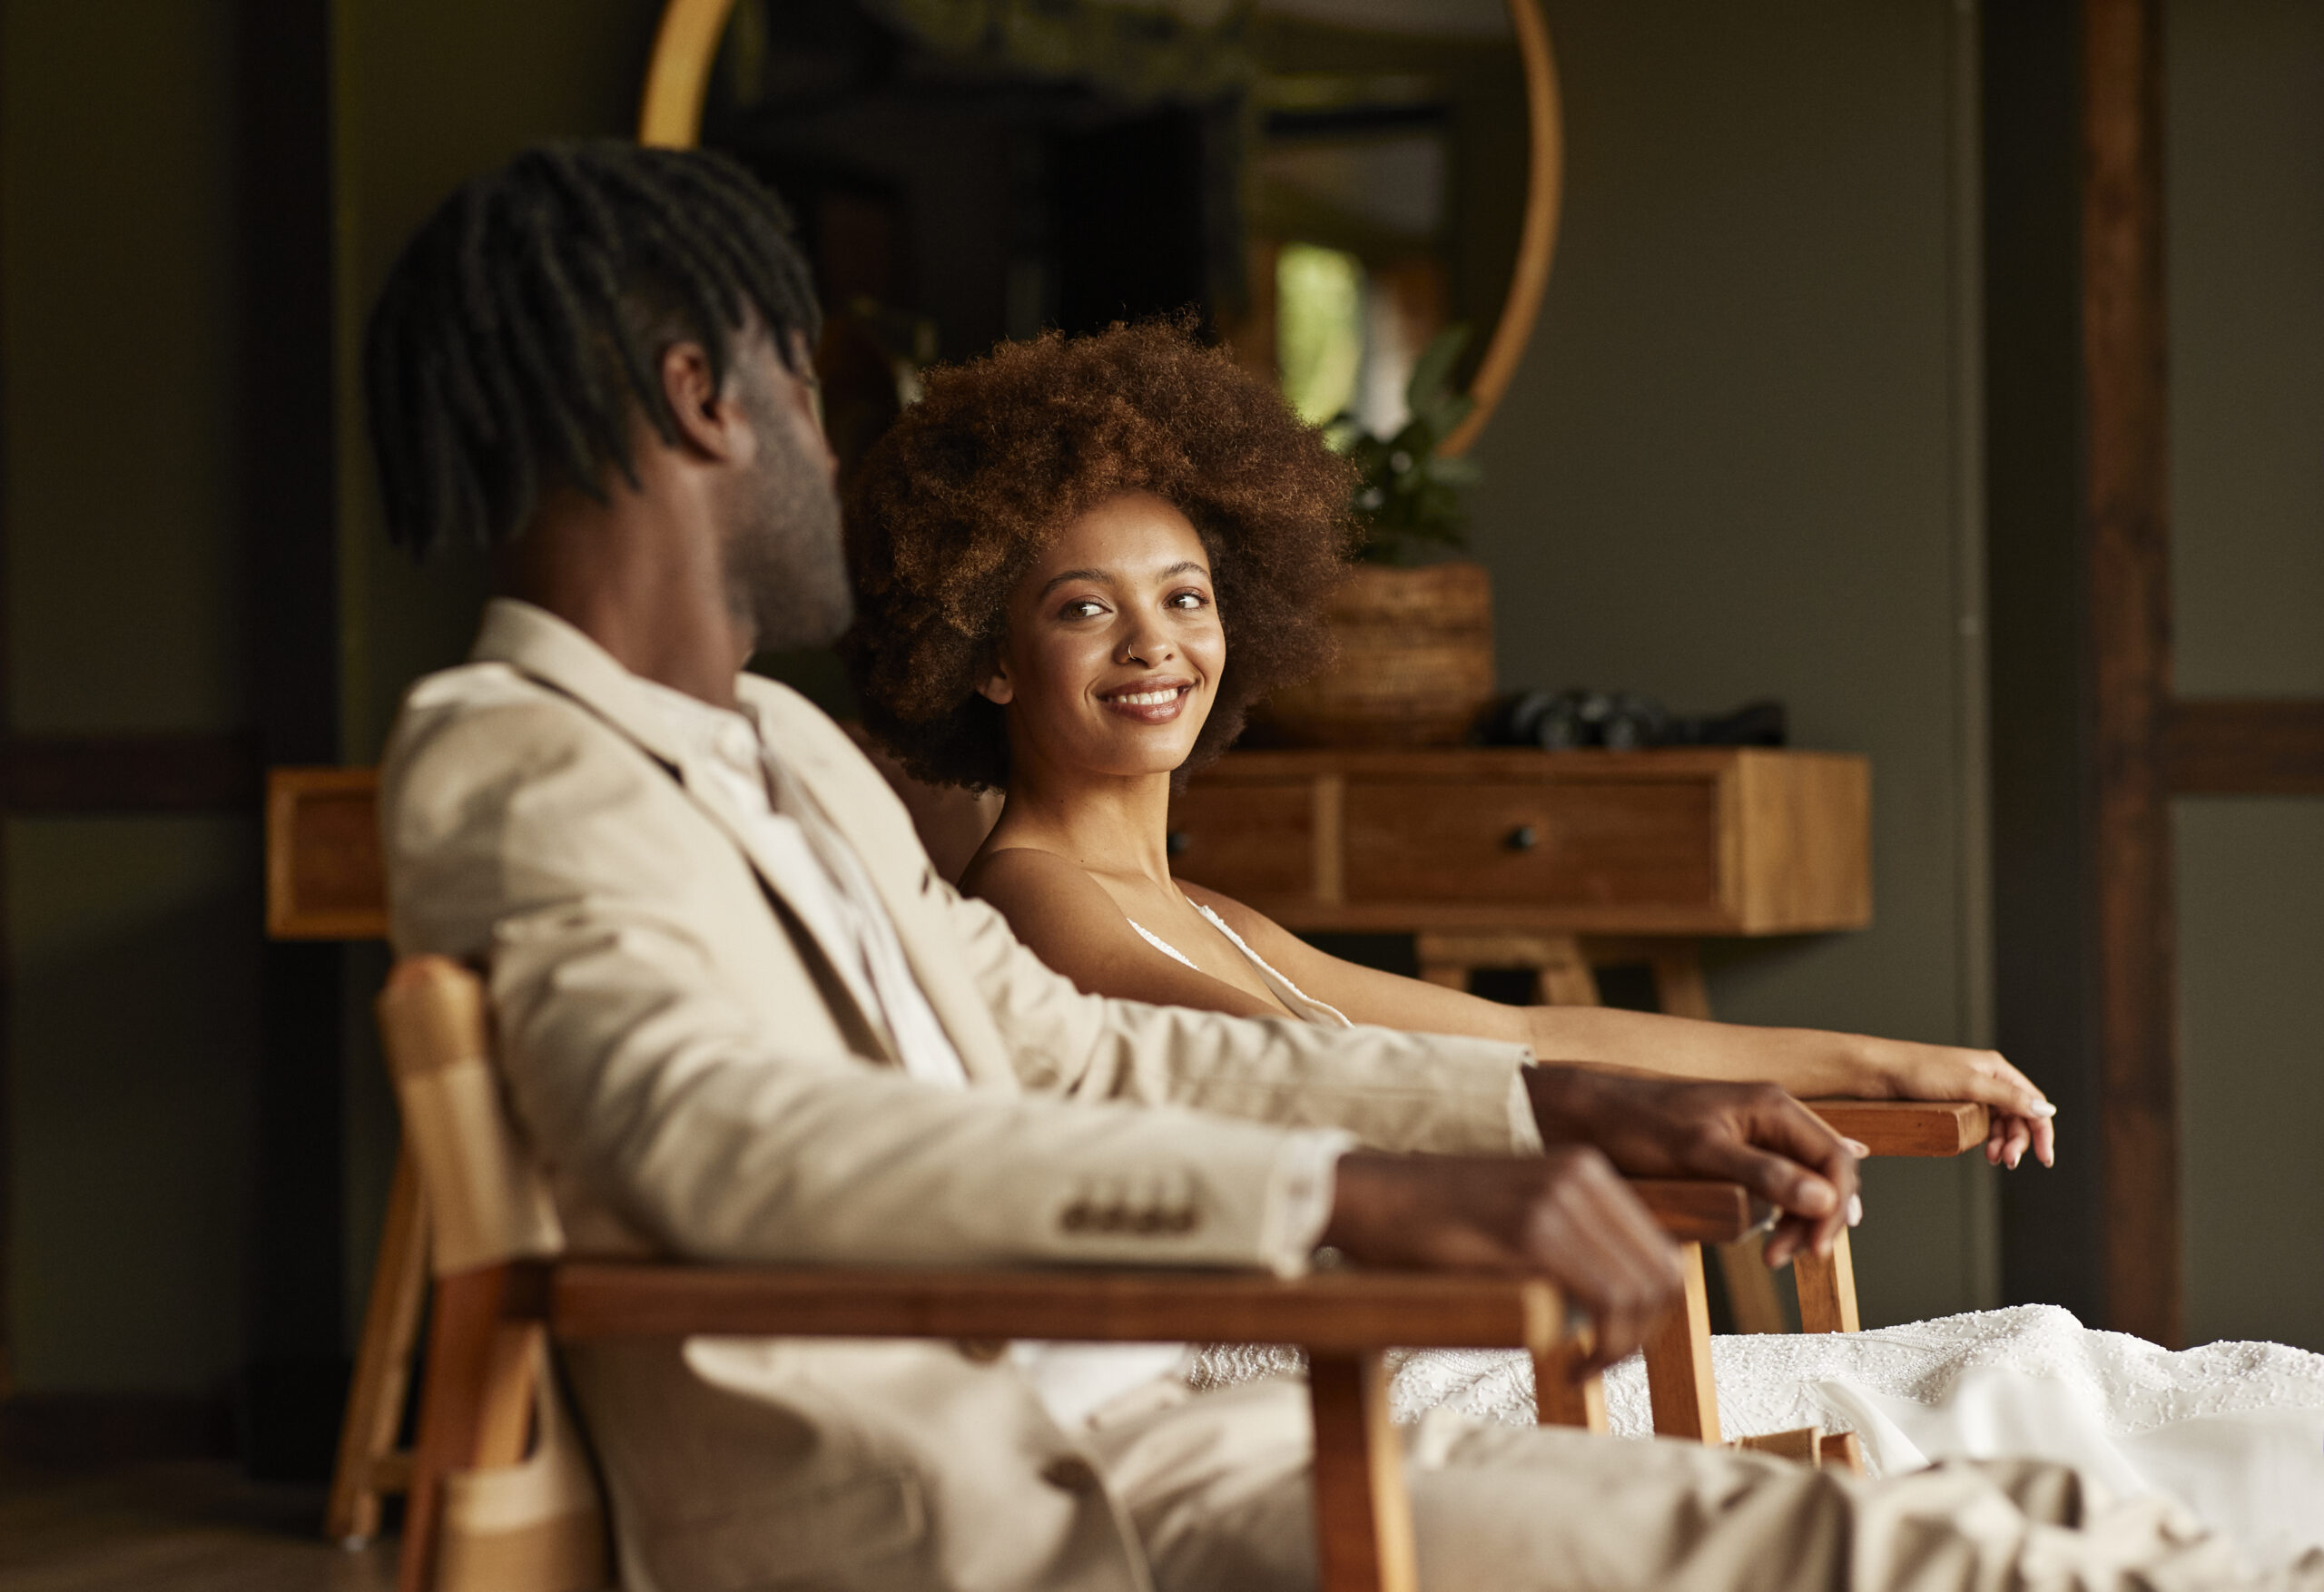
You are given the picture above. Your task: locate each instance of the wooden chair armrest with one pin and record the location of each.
(1329, 1312)
(1701, 1213)
(1907, 1127)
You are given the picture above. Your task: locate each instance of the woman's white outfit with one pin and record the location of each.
(2234, 1431)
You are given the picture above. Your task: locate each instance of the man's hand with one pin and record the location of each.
(1751, 1133)
(1567, 1216)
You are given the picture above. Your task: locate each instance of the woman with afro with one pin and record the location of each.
(1078, 562)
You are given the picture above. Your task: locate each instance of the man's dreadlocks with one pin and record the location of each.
(526, 316)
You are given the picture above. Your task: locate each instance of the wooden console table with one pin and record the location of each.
(1546, 859)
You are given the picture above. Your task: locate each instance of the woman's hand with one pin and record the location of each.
(2022, 1118)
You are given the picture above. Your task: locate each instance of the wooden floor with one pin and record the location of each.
(181, 1527)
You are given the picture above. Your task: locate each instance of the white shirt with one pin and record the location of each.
(848, 919)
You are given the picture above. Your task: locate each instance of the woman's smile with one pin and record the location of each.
(1149, 701)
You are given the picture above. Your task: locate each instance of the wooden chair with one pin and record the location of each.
(502, 1287)
(1564, 969)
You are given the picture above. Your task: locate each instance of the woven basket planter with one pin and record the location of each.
(1415, 661)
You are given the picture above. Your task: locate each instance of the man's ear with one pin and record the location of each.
(708, 420)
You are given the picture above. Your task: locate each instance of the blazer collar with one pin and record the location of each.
(536, 642)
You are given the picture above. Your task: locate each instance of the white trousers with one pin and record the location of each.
(1217, 1485)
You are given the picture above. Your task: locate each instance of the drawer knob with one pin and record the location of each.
(1175, 841)
(1523, 838)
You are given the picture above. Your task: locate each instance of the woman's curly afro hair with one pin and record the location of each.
(951, 507)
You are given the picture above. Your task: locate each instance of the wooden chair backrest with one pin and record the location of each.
(324, 877)
(487, 1203)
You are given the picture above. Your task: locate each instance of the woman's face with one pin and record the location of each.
(1114, 651)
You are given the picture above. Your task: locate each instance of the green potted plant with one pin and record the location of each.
(1414, 637)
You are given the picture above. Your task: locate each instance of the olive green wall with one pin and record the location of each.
(1737, 462)
(2245, 171)
(133, 1022)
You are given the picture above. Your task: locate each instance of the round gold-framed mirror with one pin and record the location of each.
(679, 88)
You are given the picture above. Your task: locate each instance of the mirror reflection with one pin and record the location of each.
(1325, 185)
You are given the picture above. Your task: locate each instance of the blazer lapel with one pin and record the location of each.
(814, 761)
(557, 653)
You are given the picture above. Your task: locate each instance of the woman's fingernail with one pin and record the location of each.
(1857, 1148)
(2040, 1108)
(1856, 1210)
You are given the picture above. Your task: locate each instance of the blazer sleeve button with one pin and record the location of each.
(1077, 1217)
(983, 1350)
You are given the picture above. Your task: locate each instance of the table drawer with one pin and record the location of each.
(1627, 843)
(1249, 840)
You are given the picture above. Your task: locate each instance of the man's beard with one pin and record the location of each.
(786, 573)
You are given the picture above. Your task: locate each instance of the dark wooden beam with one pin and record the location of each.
(75, 774)
(2044, 782)
(8, 968)
(2224, 747)
(289, 409)
(2125, 510)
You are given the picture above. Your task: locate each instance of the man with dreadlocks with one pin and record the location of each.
(742, 1019)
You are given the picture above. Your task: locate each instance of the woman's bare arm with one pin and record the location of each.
(1806, 1062)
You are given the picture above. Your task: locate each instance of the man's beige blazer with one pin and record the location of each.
(697, 1082)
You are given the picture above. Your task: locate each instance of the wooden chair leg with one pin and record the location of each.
(1364, 1516)
(1678, 1360)
(368, 1464)
(1828, 1289)
(1840, 1450)
(476, 1410)
(1558, 1399)
(1751, 1293)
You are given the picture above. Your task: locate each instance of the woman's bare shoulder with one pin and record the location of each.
(1048, 898)
(1011, 870)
